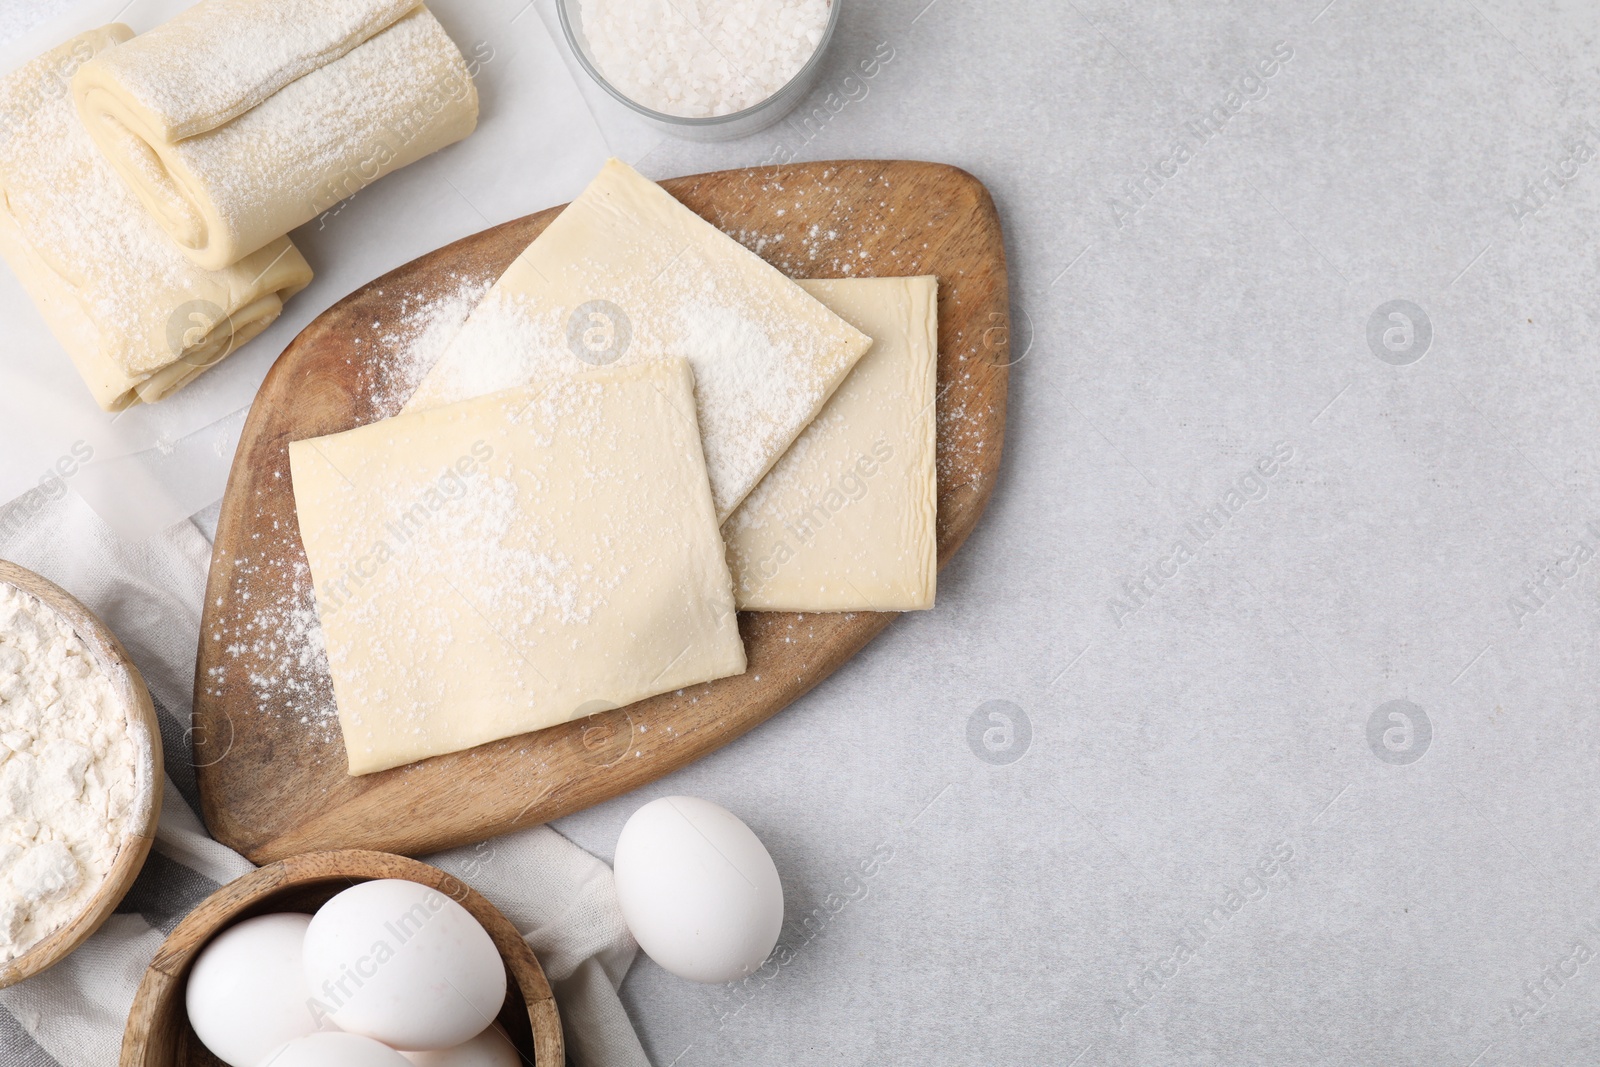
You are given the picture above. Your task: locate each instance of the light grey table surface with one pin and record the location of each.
(1199, 829)
(1198, 717)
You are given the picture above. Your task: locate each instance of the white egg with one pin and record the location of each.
(492, 1048)
(336, 1050)
(247, 993)
(698, 889)
(405, 964)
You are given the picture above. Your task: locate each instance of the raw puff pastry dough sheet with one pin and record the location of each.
(239, 120)
(508, 563)
(137, 318)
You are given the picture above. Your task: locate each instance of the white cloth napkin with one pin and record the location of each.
(149, 593)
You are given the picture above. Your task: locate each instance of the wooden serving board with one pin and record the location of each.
(269, 758)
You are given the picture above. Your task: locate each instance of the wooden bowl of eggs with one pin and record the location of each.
(340, 959)
(80, 761)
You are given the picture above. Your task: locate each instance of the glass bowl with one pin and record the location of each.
(717, 127)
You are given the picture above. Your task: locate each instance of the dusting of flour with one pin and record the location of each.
(423, 331)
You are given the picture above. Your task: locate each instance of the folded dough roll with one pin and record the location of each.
(239, 120)
(137, 317)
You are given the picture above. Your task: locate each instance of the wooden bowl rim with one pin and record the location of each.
(168, 970)
(140, 717)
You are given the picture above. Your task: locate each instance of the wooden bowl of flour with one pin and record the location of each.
(158, 1033)
(140, 830)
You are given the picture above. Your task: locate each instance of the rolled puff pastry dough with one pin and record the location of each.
(239, 120)
(847, 519)
(508, 563)
(626, 274)
(138, 319)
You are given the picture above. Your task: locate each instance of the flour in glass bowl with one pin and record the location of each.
(702, 58)
(72, 772)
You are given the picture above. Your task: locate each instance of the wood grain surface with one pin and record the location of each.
(158, 1033)
(141, 714)
(270, 761)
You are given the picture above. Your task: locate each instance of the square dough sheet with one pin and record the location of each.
(847, 519)
(515, 561)
(627, 274)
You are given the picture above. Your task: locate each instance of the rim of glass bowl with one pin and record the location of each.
(571, 31)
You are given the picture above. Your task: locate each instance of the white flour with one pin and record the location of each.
(70, 772)
(699, 58)
(425, 328)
